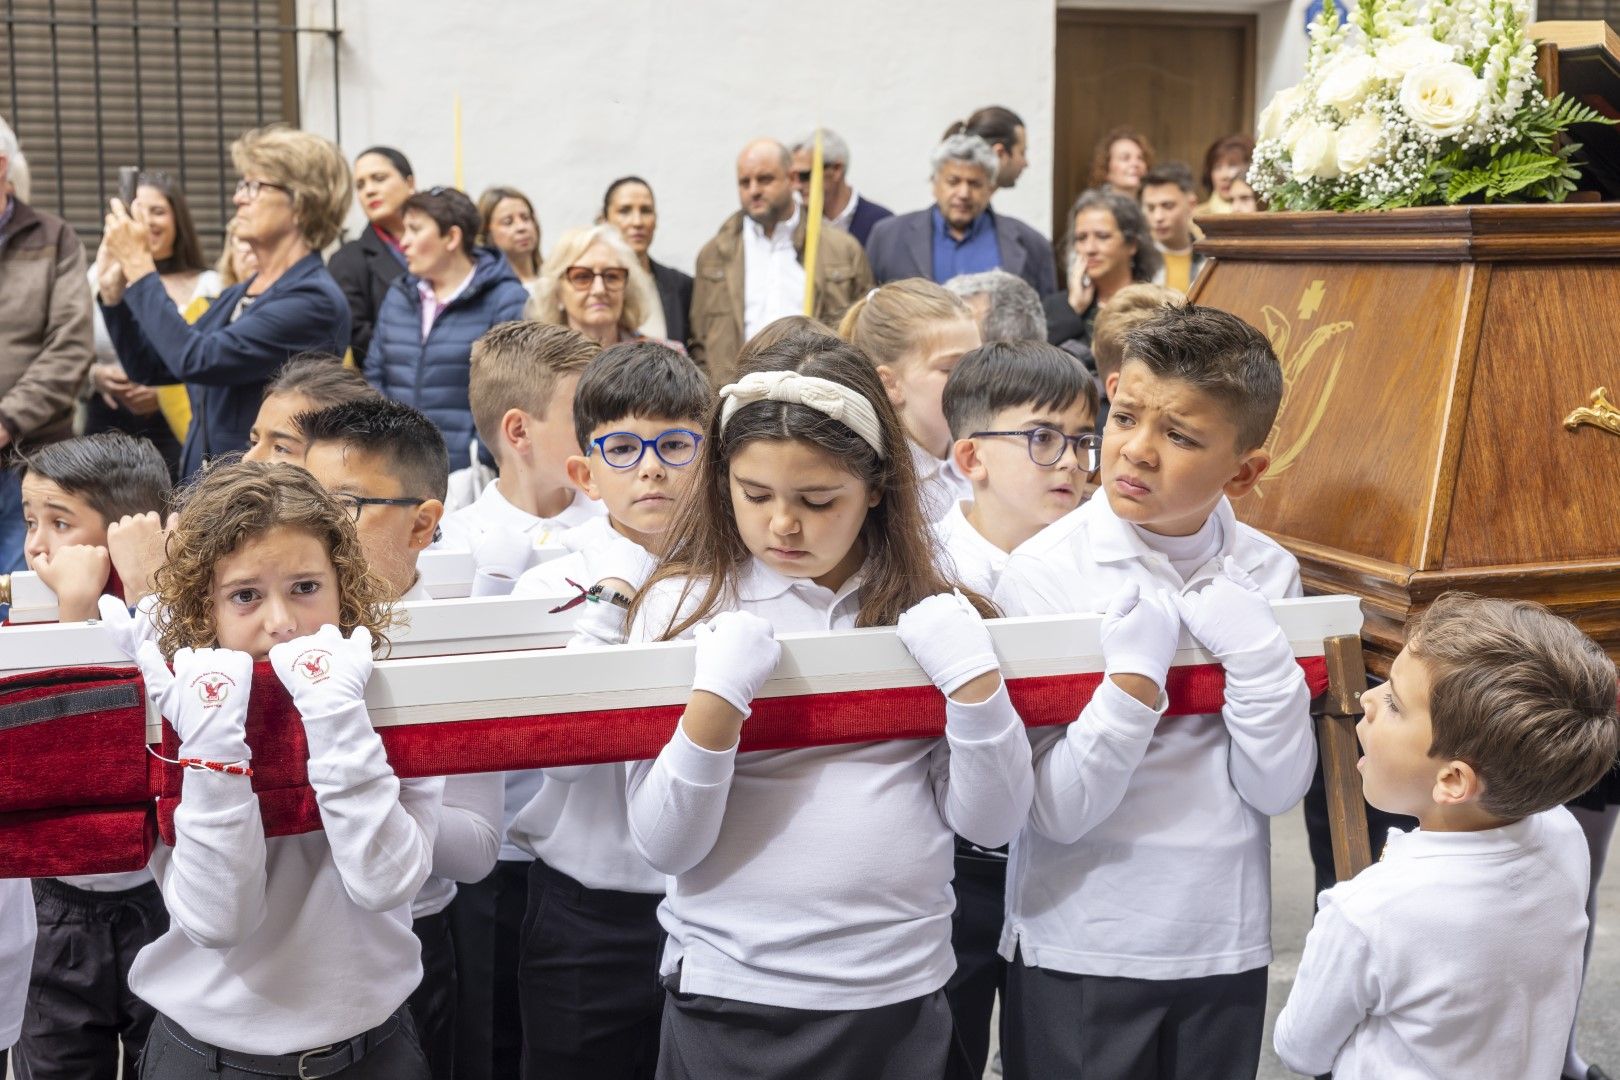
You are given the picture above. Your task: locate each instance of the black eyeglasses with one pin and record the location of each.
(676, 447)
(581, 277)
(357, 503)
(251, 188)
(1048, 445)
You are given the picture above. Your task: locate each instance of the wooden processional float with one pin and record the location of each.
(1451, 411)
(480, 685)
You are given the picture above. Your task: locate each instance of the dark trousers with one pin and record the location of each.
(80, 1007)
(1092, 1027)
(172, 1053)
(433, 1002)
(588, 981)
(486, 919)
(705, 1038)
(981, 889)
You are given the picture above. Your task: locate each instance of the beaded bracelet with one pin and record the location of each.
(230, 768)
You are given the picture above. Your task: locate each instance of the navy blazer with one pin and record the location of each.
(225, 365)
(867, 214)
(903, 247)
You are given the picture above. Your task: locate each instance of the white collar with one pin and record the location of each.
(1115, 540)
(759, 582)
(1418, 844)
(756, 231)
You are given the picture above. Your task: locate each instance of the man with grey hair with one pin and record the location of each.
(1004, 305)
(960, 233)
(752, 272)
(842, 206)
(46, 343)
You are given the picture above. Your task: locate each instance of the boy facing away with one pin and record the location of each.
(1138, 895)
(1460, 954)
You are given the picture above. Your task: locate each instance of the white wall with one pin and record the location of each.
(560, 98)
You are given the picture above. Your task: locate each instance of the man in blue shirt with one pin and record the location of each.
(960, 233)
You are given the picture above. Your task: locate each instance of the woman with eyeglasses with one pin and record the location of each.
(594, 284)
(290, 203)
(367, 265)
(452, 291)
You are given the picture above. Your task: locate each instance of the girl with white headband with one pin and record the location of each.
(809, 902)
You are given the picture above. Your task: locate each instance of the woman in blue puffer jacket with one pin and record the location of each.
(450, 294)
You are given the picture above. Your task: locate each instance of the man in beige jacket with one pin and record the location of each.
(752, 272)
(46, 342)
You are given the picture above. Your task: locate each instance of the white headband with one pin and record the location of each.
(835, 400)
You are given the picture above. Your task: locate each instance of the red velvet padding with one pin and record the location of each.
(93, 754)
(54, 843)
(470, 746)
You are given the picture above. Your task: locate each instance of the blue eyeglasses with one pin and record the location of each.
(676, 447)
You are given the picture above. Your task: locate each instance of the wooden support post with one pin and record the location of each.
(1336, 736)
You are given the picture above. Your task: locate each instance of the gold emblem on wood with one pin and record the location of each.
(1599, 412)
(1310, 374)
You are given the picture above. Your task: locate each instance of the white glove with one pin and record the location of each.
(499, 560)
(1139, 634)
(736, 653)
(206, 699)
(948, 640)
(325, 672)
(1234, 621)
(126, 630)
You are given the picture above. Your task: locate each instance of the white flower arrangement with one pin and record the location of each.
(1417, 103)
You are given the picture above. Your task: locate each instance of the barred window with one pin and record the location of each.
(165, 85)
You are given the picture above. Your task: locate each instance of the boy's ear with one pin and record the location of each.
(891, 384)
(1250, 469)
(515, 429)
(428, 516)
(1458, 782)
(579, 471)
(1110, 385)
(965, 455)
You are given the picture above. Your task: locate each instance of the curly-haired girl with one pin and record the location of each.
(264, 564)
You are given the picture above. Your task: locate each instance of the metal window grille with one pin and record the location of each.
(92, 85)
(1607, 10)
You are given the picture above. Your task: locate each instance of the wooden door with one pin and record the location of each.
(1184, 80)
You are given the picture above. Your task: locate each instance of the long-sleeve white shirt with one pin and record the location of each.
(578, 820)
(468, 838)
(820, 878)
(1147, 853)
(297, 941)
(465, 529)
(17, 929)
(1460, 954)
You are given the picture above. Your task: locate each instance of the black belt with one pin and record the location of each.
(307, 1065)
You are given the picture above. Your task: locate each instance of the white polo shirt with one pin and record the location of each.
(1147, 853)
(17, 929)
(467, 526)
(966, 556)
(819, 878)
(1460, 954)
(939, 485)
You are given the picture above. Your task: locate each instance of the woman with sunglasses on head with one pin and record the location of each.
(594, 284)
(452, 291)
(290, 204)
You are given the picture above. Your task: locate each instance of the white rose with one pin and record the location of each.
(1361, 143)
(1315, 154)
(1415, 50)
(1346, 83)
(1441, 98)
(1275, 114)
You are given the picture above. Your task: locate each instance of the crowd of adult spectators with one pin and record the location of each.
(153, 339)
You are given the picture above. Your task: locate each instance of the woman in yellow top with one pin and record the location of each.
(116, 403)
